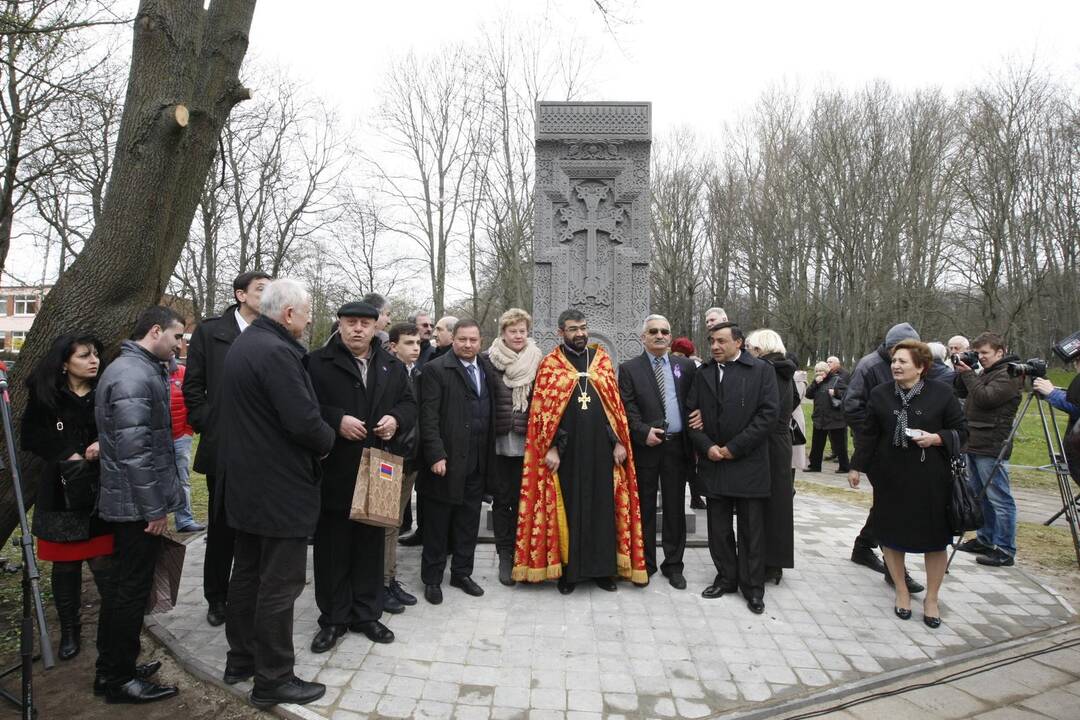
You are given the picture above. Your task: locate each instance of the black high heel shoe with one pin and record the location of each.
(902, 613)
(932, 622)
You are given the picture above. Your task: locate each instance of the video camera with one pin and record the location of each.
(1033, 368)
(968, 357)
(1069, 348)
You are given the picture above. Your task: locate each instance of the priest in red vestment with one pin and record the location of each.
(579, 516)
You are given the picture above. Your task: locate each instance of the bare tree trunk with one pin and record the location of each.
(182, 84)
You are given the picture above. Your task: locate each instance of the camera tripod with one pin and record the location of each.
(31, 591)
(1056, 453)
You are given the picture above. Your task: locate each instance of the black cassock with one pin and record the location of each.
(585, 442)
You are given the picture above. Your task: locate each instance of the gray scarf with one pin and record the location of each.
(900, 435)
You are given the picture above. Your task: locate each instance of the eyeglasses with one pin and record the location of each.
(661, 331)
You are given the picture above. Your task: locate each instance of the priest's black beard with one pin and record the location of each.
(571, 348)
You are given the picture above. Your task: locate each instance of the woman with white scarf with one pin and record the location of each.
(516, 357)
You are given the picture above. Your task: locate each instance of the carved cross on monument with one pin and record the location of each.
(595, 219)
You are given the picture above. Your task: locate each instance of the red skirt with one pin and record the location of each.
(72, 551)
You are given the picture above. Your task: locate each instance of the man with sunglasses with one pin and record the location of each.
(426, 326)
(653, 386)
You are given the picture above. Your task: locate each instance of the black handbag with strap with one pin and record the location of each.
(80, 479)
(965, 511)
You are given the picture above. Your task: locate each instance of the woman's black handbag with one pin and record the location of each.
(965, 511)
(61, 525)
(80, 480)
(798, 437)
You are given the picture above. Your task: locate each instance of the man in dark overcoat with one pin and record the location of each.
(457, 444)
(202, 396)
(365, 394)
(653, 387)
(270, 474)
(738, 401)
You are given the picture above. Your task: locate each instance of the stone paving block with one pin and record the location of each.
(512, 697)
(993, 688)
(621, 702)
(471, 712)
(585, 701)
(346, 715)
(475, 695)
(508, 713)
(893, 708)
(1009, 713)
(1040, 677)
(945, 702)
(440, 691)
(691, 708)
(754, 691)
(1057, 704)
(359, 701)
(581, 715)
(548, 699)
(404, 686)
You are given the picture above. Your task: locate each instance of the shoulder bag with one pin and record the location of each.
(965, 511)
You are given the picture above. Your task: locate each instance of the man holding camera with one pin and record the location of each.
(992, 399)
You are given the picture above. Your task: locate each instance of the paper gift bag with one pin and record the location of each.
(167, 572)
(377, 496)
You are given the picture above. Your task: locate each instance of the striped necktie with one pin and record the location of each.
(658, 371)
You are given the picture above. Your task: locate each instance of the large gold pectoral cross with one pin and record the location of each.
(583, 400)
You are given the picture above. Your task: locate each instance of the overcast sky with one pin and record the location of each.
(701, 63)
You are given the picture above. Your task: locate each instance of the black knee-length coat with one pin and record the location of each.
(911, 485)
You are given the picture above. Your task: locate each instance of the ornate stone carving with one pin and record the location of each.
(591, 246)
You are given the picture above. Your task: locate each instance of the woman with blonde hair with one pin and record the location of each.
(515, 357)
(780, 509)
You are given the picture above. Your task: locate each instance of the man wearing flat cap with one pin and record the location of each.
(365, 395)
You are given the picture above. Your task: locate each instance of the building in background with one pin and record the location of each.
(20, 304)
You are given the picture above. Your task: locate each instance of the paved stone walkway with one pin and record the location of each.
(654, 652)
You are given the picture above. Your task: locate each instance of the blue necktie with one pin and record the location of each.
(474, 378)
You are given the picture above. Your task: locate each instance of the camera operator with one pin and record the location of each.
(1068, 401)
(992, 399)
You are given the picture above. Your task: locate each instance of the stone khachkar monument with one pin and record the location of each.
(591, 248)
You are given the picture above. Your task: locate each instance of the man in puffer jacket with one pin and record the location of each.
(139, 488)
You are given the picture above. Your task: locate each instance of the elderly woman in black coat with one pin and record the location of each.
(912, 427)
(780, 510)
(826, 391)
(58, 426)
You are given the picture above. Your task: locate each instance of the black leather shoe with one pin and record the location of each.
(812, 469)
(913, 586)
(774, 575)
(233, 676)
(391, 604)
(606, 584)
(696, 503)
(861, 555)
(375, 631)
(996, 558)
(215, 614)
(565, 586)
(756, 604)
(136, 691)
(931, 622)
(902, 613)
(506, 568)
(677, 580)
(468, 585)
(142, 672)
(974, 545)
(404, 597)
(413, 539)
(718, 589)
(433, 594)
(70, 640)
(326, 638)
(294, 691)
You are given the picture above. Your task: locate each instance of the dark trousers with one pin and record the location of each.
(348, 558)
(742, 564)
(837, 438)
(130, 579)
(669, 476)
(268, 576)
(220, 541)
(451, 530)
(507, 497)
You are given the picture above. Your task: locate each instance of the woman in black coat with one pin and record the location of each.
(913, 426)
(58, 426)
(780, 510)
(826, 391)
